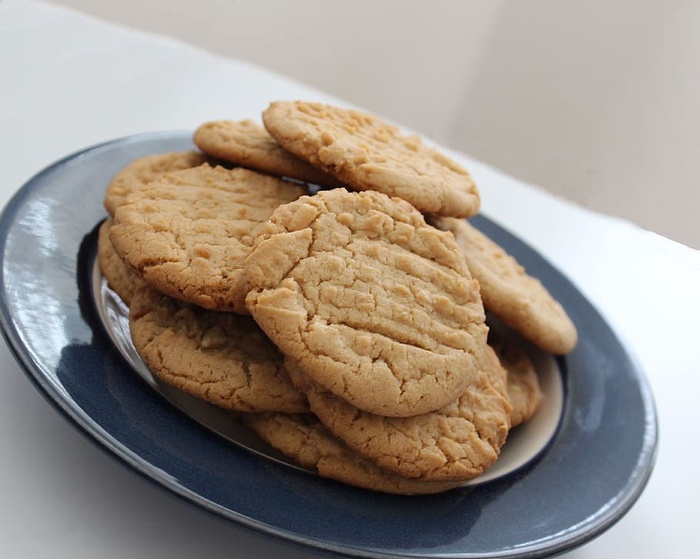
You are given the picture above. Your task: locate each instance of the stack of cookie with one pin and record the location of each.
(317, 274)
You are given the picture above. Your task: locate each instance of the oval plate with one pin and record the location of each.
(592, 472)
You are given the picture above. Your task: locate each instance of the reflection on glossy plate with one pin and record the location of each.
(595, 452)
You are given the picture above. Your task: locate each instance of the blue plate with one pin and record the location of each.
(592, 472)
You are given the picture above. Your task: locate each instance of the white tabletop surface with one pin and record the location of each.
(68, 82)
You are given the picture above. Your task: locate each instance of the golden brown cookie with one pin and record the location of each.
(220, 357)
(119, 276)
(248, 144)
(455, 443)
(524, 392)
(142, 171)
(510, 293)
(189, 231)
(304, 439)
(366, 153)
(374, 304)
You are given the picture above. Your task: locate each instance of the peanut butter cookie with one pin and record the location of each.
(372, 303)
(367, 153)
(188, 233)
(524, 392)
(119, 276)
(510, 293)
(248, 144)
(455, 443)
(305, 440)
(142, 171)
(220, 357)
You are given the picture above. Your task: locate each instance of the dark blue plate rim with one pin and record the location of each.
(593, 472)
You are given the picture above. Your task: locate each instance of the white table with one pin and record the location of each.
(68, 82)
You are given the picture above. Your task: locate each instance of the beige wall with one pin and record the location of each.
(597, 101)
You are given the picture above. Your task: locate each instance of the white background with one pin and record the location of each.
(595, 100)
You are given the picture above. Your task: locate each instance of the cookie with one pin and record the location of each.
(305, 440)
(367, 153)
(510, 293)
(119, 276)
(248, 144)
(188, 233)
(524, 392)
(143, 170)
(455, 443)
(220, 357)
(373, 303)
